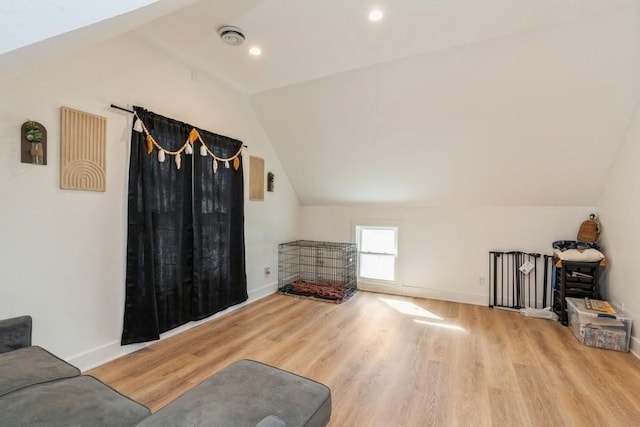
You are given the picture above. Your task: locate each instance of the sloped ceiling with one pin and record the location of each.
(35, 32)
(442, 103)
(24, 22)
(531, 118)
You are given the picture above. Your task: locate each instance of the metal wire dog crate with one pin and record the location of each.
(319, 270)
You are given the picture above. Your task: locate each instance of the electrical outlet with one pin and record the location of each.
(481, 280)
(267, 271)
(621, 305)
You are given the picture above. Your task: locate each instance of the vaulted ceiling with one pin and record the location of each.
(441, 103)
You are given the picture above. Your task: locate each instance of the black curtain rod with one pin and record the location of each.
(120, 108)
(131, 111)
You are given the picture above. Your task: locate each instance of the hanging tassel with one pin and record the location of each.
(188, 149)
(149, 143)
(236, 163)
(193, 135)
(226, 164)
(178, 161)
(137, 126)
(203, 150)
(215, 165)
(161, 156)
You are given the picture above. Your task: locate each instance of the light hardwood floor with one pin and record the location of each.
(396, 361)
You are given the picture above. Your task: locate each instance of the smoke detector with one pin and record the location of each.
(231, 35)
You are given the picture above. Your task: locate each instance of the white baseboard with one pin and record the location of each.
(634, 347)
(410, 291)
(103, 354)
(108, 352)
(262, 292)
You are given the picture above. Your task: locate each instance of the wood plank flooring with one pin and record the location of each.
(397, 361)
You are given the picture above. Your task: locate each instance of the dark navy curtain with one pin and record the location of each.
(185, 240)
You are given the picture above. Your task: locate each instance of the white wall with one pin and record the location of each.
(62, 253)
(444, 251)
(619, 207)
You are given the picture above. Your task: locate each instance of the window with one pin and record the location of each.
(377, 253)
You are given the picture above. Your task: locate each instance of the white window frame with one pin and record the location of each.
(357, 228)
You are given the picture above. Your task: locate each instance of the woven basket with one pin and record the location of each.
(589, 231)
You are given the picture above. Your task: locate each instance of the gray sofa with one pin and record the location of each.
(39, 389)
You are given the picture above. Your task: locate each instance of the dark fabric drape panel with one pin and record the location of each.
(181, 266)
(219, 269)
(160, 235)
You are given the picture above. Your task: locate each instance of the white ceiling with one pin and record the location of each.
(442, 103)
(51, 18)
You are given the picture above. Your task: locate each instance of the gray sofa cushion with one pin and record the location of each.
(15, 333)
(31, 365)
(243, 394)
(271, 421)
(79, 401)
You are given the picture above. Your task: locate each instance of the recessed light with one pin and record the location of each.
(376, 15)
(255, 51)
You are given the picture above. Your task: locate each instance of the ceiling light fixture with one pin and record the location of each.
(231, 35)
(376, 15)
(255, 51)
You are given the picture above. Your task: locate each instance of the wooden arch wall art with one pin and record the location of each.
(82, 150)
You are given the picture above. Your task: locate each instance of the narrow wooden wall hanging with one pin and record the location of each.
(256, 178)
(82, 151)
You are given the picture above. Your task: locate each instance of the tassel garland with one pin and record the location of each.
(187, 148)
(137, 126)
(149, 144)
